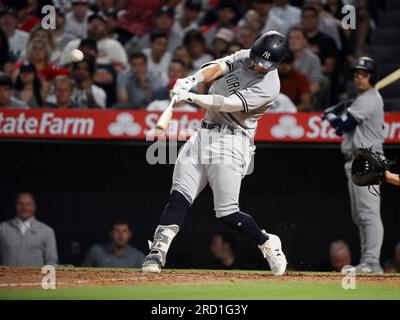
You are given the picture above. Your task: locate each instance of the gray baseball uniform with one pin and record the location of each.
(222, 157)
(365, 207)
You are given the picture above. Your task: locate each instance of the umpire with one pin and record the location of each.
(360, 122)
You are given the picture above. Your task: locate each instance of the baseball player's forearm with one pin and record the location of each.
(212, 72)
(392, 178)
(216, 102)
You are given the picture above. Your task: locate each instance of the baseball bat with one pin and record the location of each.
(389, 79)
(165, 118)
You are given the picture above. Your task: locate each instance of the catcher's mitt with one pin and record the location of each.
(369, 167)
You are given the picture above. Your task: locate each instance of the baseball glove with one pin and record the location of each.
(369, 167)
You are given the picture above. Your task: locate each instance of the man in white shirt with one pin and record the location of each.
(110, 51)
(17, 39)
(158, 59)
(77, 19)
(287, 13)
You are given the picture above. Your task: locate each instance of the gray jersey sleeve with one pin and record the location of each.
(363, 107)
(260, 94)
(232, 61)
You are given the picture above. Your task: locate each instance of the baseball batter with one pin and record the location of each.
(362, 126)
(219, 154)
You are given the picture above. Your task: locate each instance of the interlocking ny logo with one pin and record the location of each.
(125, 124)
(266, 54)
(287, 127)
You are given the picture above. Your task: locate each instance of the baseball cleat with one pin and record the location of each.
(152, 263)
(272, 251)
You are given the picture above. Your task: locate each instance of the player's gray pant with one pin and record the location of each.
(211, 157)
(366, 214)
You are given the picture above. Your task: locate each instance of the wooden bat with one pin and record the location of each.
(165, 118)
(389, 79)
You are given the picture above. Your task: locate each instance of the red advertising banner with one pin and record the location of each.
(139, 125)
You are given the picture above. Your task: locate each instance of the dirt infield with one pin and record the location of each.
(78, 277)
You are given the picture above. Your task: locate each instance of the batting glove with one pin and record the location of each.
(185, 84)
(181, 95)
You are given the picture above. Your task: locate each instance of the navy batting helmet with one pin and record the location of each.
(367, 64)
(269, 50)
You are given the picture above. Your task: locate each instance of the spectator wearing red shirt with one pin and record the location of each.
(294, 84)
(137, 19)
(39, 54)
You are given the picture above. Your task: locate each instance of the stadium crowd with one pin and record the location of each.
(135, 50)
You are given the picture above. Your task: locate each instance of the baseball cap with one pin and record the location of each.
(98, 15)
(27, 67)
(225, 34)
(166, 10)
(9, 10)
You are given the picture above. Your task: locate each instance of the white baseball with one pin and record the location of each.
(76, 55)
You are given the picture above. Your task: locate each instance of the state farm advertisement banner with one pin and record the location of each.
(139, 125)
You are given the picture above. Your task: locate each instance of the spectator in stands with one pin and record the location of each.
(196, 45)
(304, 59)
(110, 50)
(136, 86)
(28, 87)
(223, 250)
(269, 21)
(324, 47)
(26, 20)
(39, 54)
(246, 37)
(158, 59)
(106, 75)
(325, 24)
(182, 53)
(6, 94)
(286, 12)
(282, 104)
(252, 20)
(60, 35)
(221, 42)
(25, 241)
(294, 84)
(39, 33)
(117, 253)
(7, 59)
(233, 47)
(76, 24)
(339, 255)
(177, 70)
(63, 88)
(136, 20)
(17, 39)
(112, 24)
(227, 13)
(189, 18)
(86, 94)
(164, 23)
